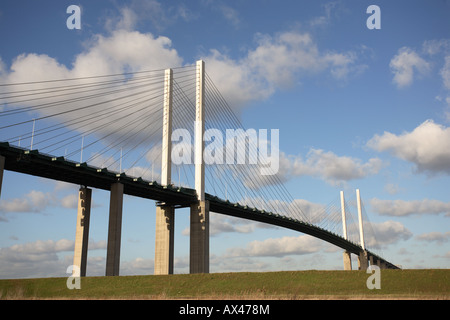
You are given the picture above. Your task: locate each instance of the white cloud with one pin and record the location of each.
(405, 64)
(70, 201)
(42, 258)
(427, 146)
(333, 168)
(231, 15)
(433, 47)
(124, 51)
(438, 237)
(277, 62)
(137, 12)
(445, 73)
(392, 188)
(326, 165)
(137, 266)
(278, 247)
(224, 224)
(401, 208)
(387, 232)
(34, 201)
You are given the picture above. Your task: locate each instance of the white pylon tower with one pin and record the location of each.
(347, 255)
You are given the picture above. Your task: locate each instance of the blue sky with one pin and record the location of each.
(356, 108)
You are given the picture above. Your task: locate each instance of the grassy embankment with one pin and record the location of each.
(395, 284)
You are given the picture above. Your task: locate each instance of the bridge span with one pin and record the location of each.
(58, 168)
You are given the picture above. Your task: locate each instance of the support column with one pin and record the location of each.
(347, 255)
(164, 242)
(82, 230)
(165, 215)
(114, 230)
(363, 262)
(199, 229)
(347, 261)
(199, 233)
(199, 131)
(2, 168)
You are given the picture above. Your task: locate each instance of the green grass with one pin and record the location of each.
(395, 284)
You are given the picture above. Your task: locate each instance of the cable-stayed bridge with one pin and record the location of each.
(144, 134)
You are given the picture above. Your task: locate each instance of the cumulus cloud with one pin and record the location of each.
(34, 201)
(386, 233)
(136, 12)
(41, 258)
(427, 146)
(445, 73)
(325, 165)
(231, 15)
(277, 62)
(400, 208)
(225, 224)
(334, 168)
(405, 65)
(39, 202)
(438, 237)
(278, 247)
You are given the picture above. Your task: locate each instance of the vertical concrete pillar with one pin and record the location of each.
(347, 261)
(82, 230)
(199, 131)
(361, 231)
(199, 233)
(2, 168)
(199, 230)
(114, 230)
(166, 163)
(347, 255)
(164, 242)
(363, 262)
(165, 217)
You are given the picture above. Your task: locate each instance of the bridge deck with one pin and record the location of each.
(58, 168)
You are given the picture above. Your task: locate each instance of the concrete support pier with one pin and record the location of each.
(82, 230)
(199, 233)
(114, 230)
(164, 240)
(347, 261)
(363, 261)
(199, 242)
(165, 215)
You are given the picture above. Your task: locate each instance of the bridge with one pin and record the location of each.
(133, 112)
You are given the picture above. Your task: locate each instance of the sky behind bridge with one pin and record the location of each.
(356, 108)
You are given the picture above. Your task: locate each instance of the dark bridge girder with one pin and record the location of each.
(236, 210)
(58, 168)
